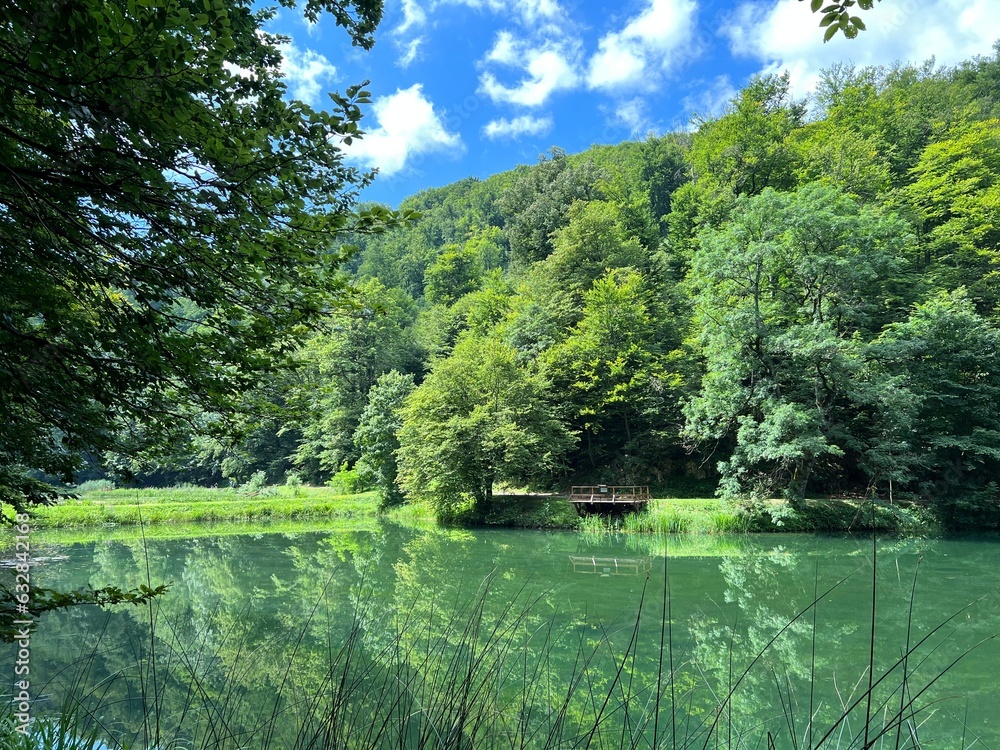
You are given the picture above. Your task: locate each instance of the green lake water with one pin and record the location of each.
(402, 638)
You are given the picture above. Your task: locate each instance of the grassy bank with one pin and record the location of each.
(202, 504)
(712, 516)
(189, 505)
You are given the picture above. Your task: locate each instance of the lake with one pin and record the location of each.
(394, 637)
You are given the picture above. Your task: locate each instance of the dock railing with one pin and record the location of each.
(610, 494)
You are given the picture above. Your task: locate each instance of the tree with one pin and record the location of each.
(664, 169)
(341, 365)
(478, 418)
(377, 434)
(168, 220)
(957, 195)
(536, 204)
(612, 377)
(744, 151)
(947, 358)
(456, 272)
(785, 297)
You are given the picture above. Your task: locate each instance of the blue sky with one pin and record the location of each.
(472, 87)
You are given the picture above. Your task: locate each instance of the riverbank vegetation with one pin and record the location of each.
(170, 511)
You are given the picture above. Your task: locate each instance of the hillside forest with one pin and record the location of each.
(793, 299)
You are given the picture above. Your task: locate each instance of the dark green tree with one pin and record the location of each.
(150, 166)
(785, 297)
(377, 434)
(613, 380)
(341, 365)
(948, 357)
(536, 204)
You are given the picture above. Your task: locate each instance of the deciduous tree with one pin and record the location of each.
(168, 218)
(479, 417)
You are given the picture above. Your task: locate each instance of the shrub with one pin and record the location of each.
(348, 481)
(256, 486)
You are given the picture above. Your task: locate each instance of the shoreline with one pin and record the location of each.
(173, 507)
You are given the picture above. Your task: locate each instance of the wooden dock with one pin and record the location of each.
(608, 498)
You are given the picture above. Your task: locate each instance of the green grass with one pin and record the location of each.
(200, 504)
(188, 505)
(674, 516)
(190, 530)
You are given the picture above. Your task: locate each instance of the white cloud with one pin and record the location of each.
(523, 125)
(785, 35)
(408, 127)
(408, 51)
(650, 44)
(711, 98)
(505, 50)
(529, 12)
(305, 73)
(413, 16)
(631, 114)
(548, 67)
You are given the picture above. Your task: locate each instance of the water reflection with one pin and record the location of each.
(438, 638)
(611, 566)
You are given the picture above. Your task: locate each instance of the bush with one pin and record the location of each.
(256, 486)
(348, 481)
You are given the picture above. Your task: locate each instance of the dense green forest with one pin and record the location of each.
(794, 299)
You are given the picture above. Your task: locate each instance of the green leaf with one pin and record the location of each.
(858, 23)
(816, 5)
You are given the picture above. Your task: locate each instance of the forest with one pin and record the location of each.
(794, 299)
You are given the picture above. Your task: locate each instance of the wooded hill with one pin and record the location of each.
(792, 300)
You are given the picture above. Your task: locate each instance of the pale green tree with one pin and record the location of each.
(479, 417)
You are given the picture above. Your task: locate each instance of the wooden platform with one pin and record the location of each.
(608, 498)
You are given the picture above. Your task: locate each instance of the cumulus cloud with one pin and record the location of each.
(305, 73)
(407, 127)
(784, 35)
(548, 67)
(523, 125)
(651, 43)
(504, 50)
(413, 16)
